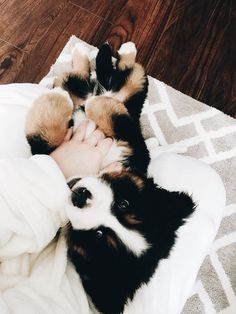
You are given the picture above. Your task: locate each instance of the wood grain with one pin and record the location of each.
(188, 44)
(43, 53)
(108, 9)
(11, 62)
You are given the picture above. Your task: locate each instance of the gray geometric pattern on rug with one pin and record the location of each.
(181, 123)
(208, 135)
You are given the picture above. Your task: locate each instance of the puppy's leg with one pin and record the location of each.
(47, 121)
(132, 88)
(104, 67)
(127, 54)
(77, 82)
(102, 110)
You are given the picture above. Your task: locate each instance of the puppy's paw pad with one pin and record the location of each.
(127, 48)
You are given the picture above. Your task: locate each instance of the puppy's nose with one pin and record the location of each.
(80, 196)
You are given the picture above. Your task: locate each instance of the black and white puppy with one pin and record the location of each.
(121, 226)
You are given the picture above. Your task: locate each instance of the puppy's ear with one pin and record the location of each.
(104, 66)
(170, 209)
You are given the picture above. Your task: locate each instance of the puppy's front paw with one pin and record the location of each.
(47, 121)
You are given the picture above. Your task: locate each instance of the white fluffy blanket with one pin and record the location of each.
(35, 276)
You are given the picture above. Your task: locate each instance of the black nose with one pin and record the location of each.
(80, 196)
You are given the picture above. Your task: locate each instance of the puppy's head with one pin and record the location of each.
(110, 217)
(123, 214)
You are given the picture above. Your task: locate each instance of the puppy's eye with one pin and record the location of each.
(99, 234)
(123, 205)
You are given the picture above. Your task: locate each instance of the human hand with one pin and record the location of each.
(80, 156)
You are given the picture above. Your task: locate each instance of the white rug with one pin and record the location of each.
(183, 124)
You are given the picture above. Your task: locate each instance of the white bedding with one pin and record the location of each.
(38, 279)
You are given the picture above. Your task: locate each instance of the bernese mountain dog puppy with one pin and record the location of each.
(113, 101)
(121, 224)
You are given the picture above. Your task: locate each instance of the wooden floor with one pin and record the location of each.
(188, 44)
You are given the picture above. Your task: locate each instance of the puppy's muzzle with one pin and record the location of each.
(80, 197)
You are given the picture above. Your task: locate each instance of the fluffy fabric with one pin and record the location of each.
(33, 282)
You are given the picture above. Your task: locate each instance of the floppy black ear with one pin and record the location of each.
(104, 67)
(168, 209)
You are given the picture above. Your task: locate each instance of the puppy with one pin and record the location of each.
(113, 101)
(121, 226)
(121, 223)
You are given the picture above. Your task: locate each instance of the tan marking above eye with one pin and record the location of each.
(132, 219)
(124, 173)
(111, 241)
(78, 249)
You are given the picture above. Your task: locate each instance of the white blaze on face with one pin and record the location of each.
(97, 212)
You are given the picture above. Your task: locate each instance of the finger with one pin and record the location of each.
(115, 166)
(80, 132)
(104, 146)
(68, 135)
(95, 137)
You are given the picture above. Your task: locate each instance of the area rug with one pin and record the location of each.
(192, 128)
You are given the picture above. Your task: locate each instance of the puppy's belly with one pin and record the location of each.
(116, 152)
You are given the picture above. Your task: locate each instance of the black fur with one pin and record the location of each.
(126, 129)
(77, 86)
(104, 67)
(111, 275)
(39, 145)
(113, 79)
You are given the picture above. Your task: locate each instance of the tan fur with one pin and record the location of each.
(127, 150)
(111, 241)
(133, 85)
(100, 109)
(81, 64)
(59, 82)
(80, 250)
(48, 117)
(76, 101)
(126, 60)
(132, 219)
(118, 174)
(138, 181)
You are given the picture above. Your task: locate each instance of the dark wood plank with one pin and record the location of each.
(24, 22)
(196, 52)
(108, 9)
(189, 45)
(70, 20)
(138, 22)
(11, 62)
